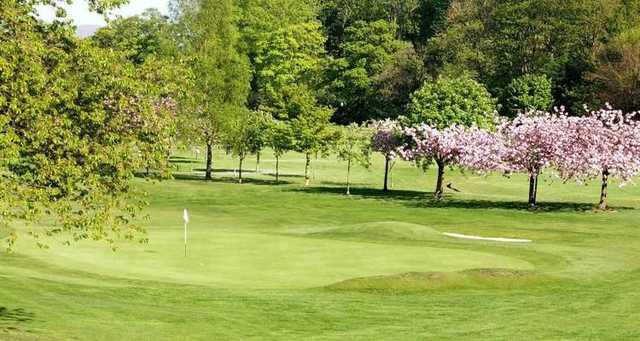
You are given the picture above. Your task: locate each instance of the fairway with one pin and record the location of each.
(281, 261)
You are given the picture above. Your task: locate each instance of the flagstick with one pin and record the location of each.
(185, 217)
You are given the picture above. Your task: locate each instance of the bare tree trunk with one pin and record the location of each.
(240, 170)
(533, 190)
(257, 162)
(277, 168)
(209, 167)
(349, 177)
(306, 169)
(386, 174)
(604, 190)
(440, 182)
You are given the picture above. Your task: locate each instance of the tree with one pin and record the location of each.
(245, 135)
(312, 134)
(221, 88)
(532, 143)
(77, 123)
(353, 145)
(605, 144)
(279, 139)
(450, 101)
(387, 138)
(426, 145)
(529, 93)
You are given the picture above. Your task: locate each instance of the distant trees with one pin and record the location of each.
(139, 37)
(617, 74)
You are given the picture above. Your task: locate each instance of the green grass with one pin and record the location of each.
(281, 261)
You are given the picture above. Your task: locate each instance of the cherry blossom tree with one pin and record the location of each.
(467, 147)
(426, 145)
(604, 144)
(387, 138)
(532, 142)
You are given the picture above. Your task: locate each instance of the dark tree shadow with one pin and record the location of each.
(229, 180)
(182, 160)
(14, 319)
(224, 170)
(427, 200)
(284, 175)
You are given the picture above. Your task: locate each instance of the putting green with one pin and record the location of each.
(243, 260)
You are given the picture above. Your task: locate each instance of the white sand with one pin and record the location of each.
(505, 240)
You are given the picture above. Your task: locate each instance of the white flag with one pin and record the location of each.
(185, 216)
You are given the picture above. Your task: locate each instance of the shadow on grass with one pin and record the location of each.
(426, 200)
(223, 170)
(229, 180)
(14, 319)
(182, 159)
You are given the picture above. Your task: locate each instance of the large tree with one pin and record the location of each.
(77, 123)
(212, 45)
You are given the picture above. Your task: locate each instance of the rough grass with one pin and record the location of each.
(278, 261)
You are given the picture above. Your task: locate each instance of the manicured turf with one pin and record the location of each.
(281, 261)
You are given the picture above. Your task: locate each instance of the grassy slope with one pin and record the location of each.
(285, 262)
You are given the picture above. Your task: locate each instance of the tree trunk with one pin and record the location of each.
(240, 170)
(386, 174)
(439, 184)
(306, 169)
(209, 167)
(349, 177)
(533, 190)
(257, 162)
(604, 190)
(277, 168)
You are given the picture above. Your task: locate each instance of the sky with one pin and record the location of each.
(80, 14)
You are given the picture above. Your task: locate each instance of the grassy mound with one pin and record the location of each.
(384, 230)
(490, 278)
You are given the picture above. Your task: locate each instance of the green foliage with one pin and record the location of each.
(353, 145)
(288, 66)
(368, 49)
(222, 71)
(312, 132)
(139, 37)
(279, 136)
(449, 101)
(529, 92)
(77, 122)
(246, 132)
(498, 41)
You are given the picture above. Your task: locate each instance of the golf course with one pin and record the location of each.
(284, 261)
